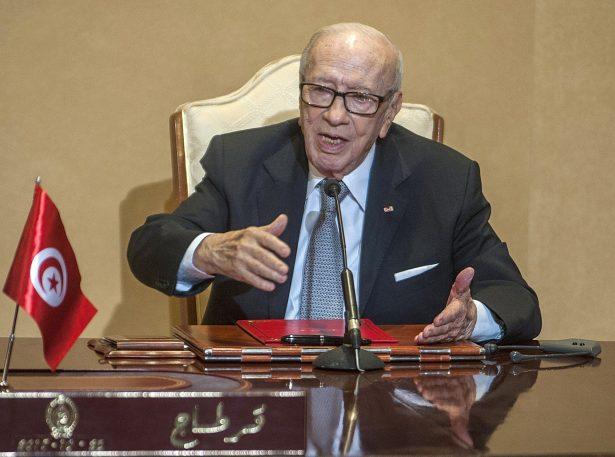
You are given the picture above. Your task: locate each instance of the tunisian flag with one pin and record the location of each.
(44, 279)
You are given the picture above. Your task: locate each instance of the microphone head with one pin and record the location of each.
(332, 187)
(516, 356)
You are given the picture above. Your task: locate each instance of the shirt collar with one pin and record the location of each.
(357, 180)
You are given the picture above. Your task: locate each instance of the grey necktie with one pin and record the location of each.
(321, 290)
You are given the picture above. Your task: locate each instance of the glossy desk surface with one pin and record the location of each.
(563, 406)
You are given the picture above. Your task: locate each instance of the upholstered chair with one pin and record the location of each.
(271, 96)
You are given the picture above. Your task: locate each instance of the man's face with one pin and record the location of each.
(337, 141)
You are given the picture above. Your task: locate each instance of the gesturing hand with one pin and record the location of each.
(251, 255)
(458, 318)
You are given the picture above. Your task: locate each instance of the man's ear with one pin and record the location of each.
(392, 110)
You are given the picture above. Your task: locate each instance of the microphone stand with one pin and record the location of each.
(348, 356)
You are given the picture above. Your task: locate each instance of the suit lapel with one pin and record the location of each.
(283, 191)
(386, 205)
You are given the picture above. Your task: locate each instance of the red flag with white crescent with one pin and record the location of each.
(44, 279)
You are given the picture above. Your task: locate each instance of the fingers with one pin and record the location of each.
(269, 240)
(431, 331)
(458, 318)
(270, 268)
(255, 280)
(455, 323)
(427, 336)
(461, 286)
(445, 325)
(277, 226)
(450, 329)
(453, 311)
(252, 255)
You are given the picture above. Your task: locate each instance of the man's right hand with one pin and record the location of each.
(251, 255)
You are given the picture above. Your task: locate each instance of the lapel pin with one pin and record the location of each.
(388, 209)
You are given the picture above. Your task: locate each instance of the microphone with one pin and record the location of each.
(572, 346)
(554, 348)
(337, 359)
(332, 187)
(516, 356)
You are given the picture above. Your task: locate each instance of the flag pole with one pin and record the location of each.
(9, 350)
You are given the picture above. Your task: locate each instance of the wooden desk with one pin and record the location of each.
(537, 408)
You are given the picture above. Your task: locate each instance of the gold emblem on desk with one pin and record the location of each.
(62, 417)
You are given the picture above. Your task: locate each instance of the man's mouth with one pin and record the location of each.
(331, 139)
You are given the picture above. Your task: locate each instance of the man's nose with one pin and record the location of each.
(336, 113)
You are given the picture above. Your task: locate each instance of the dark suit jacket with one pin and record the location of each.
(439, 216)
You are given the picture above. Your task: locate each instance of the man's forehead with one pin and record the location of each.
(347, 81)
(351, 42)
(351, 57)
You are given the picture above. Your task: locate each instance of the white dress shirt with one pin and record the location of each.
(353, 214)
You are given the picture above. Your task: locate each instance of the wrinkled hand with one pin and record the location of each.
(457, 320)
(251, 255)
(455, 396)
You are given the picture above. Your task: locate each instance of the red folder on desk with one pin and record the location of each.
(270, 331)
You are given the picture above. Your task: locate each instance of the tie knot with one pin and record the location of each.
(327, 202)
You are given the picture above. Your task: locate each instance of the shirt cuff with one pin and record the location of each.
(188, 275)
(486, 327)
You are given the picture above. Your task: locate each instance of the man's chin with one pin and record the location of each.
(330, 168)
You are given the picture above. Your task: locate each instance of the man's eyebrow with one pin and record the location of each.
(364, 90)
(329, 83)
(323, 81)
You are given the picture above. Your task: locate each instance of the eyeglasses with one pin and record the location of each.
(355, 102)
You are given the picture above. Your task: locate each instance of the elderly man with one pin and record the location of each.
(261, 228)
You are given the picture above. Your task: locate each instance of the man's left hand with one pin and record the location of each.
(457, 320)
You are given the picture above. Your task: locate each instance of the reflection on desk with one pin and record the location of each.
(494, 407)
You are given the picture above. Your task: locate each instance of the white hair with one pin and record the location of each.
(345, 27)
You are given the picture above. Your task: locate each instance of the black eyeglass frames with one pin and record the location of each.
(355, 102)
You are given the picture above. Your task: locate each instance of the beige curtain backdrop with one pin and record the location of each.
(526, 89)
